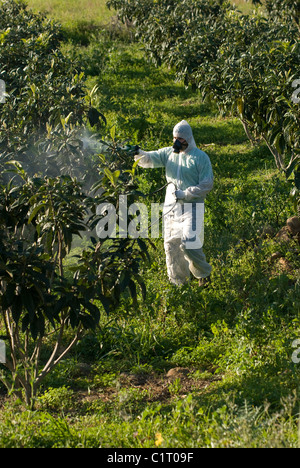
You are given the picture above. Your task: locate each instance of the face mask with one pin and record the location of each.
(178, 146)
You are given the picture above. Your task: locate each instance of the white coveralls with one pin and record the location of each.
(191, 172)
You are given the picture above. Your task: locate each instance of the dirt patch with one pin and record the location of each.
(150, 387)
(158, 387)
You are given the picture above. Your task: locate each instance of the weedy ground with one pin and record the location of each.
(191, 367)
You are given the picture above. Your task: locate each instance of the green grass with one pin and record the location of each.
(185, 425)
(244, 6)
(70, 12)
(235, 338)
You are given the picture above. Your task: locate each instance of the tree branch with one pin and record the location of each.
(53, 363)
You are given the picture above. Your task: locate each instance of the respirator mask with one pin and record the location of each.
(178, 146)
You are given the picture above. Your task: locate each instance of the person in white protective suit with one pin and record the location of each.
(190, 178)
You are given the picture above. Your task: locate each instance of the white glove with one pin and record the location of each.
(140, 154)
(179, 194)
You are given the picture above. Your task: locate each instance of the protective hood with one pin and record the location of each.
(184, 130)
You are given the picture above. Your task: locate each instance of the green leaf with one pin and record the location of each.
(297, 179)
(33, 88)
(279, 143)
(291, 168)
(25, 322)
(109, 175)
(17, 308)
(116, 176)
(142, 286)
(35, 211)
(106, 302)
(113, 132)
(29, 304)
(132, 289)
(240, 106)
(94, 117)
